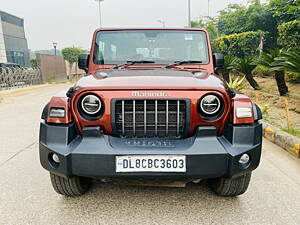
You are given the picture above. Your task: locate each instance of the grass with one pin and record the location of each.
(268, 90)
(294, 132)
(51, 79)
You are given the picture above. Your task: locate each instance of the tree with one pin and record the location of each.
(240, 45)
(284, 10)
(71, 55)
(238, 19)
(34, 63)
(245, 66)
(289, 61)
(207, 23)
(289, 34)
(267, 59)
(228, 66)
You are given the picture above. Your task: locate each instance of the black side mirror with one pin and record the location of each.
(218, 61)
(83, 62)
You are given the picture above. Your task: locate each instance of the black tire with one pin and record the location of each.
(72, 187)
(230, 187)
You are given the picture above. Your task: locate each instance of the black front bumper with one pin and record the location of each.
(93, 154)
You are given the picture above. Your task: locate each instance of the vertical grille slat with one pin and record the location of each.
(123, 118)
(178, 117)
(145, 118)
(150, 118)
(155, 117)
(167, 118)
(133, 112)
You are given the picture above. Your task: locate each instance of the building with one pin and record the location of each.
(13, 43)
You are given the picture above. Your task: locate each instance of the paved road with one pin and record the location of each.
(26, 196)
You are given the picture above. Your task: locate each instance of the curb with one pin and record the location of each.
(18, 91)
(286, 141)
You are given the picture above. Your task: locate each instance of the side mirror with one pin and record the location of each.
(218, 61)
(83, 62)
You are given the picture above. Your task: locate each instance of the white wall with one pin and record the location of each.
(2, 45)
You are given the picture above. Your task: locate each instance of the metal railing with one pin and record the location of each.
(19, 77)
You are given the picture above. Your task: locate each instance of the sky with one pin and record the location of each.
(72, 22)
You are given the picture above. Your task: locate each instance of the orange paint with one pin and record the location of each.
(182, 82)
(107, 96)
(241, 101)
(62, 102)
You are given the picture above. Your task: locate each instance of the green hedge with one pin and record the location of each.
(240, 45)
(289, 34)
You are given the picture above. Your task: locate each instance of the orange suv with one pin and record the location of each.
(150, 107)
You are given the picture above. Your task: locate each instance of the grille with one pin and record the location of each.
(150, 118)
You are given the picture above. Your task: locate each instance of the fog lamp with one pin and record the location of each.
(245, 158)
(55, 158)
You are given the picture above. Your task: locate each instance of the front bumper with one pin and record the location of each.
(92, 154)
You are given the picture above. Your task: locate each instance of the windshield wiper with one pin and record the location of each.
(129, 63)
(178, 63)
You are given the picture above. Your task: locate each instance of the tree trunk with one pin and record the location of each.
(70, 69)
(226, 76)
(280, 80)
(252, 82)
(76, 66)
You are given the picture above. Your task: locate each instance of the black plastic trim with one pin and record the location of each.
(45, 112)
(93, 154)
(244, 134)
(257, 112)
(58, 134)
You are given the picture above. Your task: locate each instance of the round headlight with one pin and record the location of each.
(91, 104)
(210, 104)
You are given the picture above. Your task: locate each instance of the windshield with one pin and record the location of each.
(160, 46)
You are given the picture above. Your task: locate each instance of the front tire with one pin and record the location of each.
(230, 187)
(71, 187)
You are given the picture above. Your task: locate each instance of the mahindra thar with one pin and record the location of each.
(150, 108)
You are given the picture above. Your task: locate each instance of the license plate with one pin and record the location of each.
(151, 163)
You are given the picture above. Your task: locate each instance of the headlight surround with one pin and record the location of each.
(211, 107)
(91, 105)
(210, 104)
